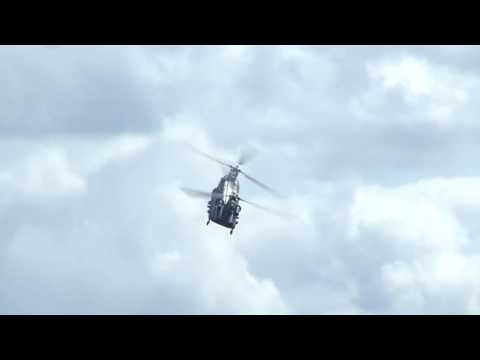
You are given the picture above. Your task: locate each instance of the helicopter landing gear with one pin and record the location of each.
(231, 231)
(208, 222)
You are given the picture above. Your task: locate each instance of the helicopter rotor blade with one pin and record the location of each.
(269, 210)
(247, 156)
(210, 157)
(195, 193)
(199, 194)
(263, 186)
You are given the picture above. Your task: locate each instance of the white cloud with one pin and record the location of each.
(114, 150)
(56, 169)
(373, 148)
(440, 92)
(415, 75)
(208, 263)
(432, 267)
(166, 262)
(414, 220)
(42, 175)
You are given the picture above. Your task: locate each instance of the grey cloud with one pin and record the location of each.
(131, 243)
(263, 90)
(74, 90)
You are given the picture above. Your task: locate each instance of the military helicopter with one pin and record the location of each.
(223, 206)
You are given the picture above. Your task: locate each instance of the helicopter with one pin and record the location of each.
(224, 204)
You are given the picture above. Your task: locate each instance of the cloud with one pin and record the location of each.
(75, 89)
(41, 175)
(442, 91)
(427, 243)
(43, 171)
(118, 250)
(374, 149)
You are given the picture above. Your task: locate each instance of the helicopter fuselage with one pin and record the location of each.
(223, 207)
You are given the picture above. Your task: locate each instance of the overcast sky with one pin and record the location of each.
(373, 147)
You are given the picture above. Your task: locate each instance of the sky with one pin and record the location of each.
(374, 149)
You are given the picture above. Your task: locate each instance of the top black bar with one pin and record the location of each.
(279, 24)
(244, 37)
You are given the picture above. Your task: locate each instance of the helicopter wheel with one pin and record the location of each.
(231, 231)
(208, 222)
